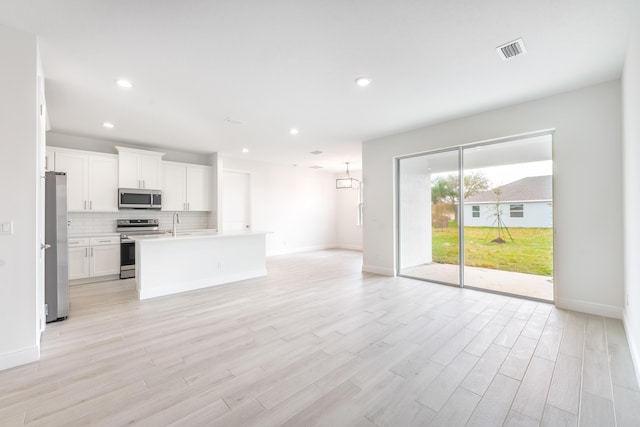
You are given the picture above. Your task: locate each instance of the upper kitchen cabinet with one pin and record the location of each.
(139, 168)
(92, 179)
(186, 187)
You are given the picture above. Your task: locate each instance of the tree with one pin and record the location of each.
(474, 183)
(446, 190)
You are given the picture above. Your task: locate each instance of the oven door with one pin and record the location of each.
(127, 259)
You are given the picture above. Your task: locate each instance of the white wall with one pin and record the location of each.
(19, 180)
(587, 160)
(296, 204)
(348, 231)
(631, 120)
(536, 215)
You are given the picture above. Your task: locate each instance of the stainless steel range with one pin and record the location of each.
(133, 227)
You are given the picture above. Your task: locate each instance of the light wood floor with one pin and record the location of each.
(316, 342)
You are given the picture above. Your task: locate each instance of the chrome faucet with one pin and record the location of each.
(176, 219)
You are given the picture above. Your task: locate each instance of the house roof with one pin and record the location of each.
(526, 189)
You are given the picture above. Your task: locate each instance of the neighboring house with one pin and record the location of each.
(523, 203)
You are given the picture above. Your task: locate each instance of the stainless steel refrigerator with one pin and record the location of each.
(56, 262)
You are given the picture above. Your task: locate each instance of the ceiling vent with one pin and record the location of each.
(511, 49)
(316, 152)
(315, 167)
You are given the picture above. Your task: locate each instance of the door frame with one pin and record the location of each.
(249, 196)
(460, 149)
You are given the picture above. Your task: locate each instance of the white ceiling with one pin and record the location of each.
(277, 64)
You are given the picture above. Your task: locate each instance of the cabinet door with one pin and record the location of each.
(75, 165)
(78, 262)
(150, 172)
(129, 171)
(103, 183)
(50, 159)
(105, 260)
(198, 187)
(173, 187)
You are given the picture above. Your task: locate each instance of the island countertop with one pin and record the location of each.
(197, 259)
(194, 234)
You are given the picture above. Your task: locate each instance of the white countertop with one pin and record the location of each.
(195, 234)
(87, 235)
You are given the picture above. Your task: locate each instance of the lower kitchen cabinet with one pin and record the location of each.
(94, 257)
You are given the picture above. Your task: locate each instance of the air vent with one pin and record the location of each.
(511, 49)
(315, 167)
(316, 152)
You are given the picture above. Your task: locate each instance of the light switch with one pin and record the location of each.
(6, 228)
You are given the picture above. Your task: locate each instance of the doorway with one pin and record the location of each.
(236, 201)
(479, 216)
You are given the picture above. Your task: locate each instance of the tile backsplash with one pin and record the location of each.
(105, 222)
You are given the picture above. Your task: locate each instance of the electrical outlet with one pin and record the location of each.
(6, 228)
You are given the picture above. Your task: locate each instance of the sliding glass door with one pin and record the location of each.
(489, 227)
(428, 212)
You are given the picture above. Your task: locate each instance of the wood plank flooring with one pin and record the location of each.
(317, 342)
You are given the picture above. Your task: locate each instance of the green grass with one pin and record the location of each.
(531, 251)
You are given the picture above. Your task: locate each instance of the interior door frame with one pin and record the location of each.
(460, 148)
(249, 196)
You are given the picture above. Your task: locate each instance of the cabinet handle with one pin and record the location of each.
(85, 205)
(91, 251)
(188, 206)
(144, 185)
(86, 252)
(90, 205)
(104, 241)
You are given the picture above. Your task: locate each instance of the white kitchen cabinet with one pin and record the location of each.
(186, 187)
(139, 168)
(75, 165)
(104, 256)
(92, 180)
(50, 159)
(78, 254)
(94, 257)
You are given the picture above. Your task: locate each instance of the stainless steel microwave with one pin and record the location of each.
(135, 198)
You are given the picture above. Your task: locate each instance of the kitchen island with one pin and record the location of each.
(167, 264)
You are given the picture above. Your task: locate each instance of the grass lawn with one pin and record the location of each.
(531, 251)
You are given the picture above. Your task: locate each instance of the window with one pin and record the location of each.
(516, 211)
(475, 211)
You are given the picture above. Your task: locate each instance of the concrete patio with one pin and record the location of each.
(528, 285)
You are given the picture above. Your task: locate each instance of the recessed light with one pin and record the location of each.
(363, 81)
(293, 131)
(126, 84)
(108, 125)
(245, 150)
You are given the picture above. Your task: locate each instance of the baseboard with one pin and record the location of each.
(376, 269)
(589, 307)
(348, 247)
(633, 348)
(20, 357)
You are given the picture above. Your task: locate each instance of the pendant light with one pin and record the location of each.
(347, 182)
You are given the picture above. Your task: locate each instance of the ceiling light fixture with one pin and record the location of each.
(363, 81)
(347, 182)
(126, 84)
(245, 150)
(293, 131)
(108, 125)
